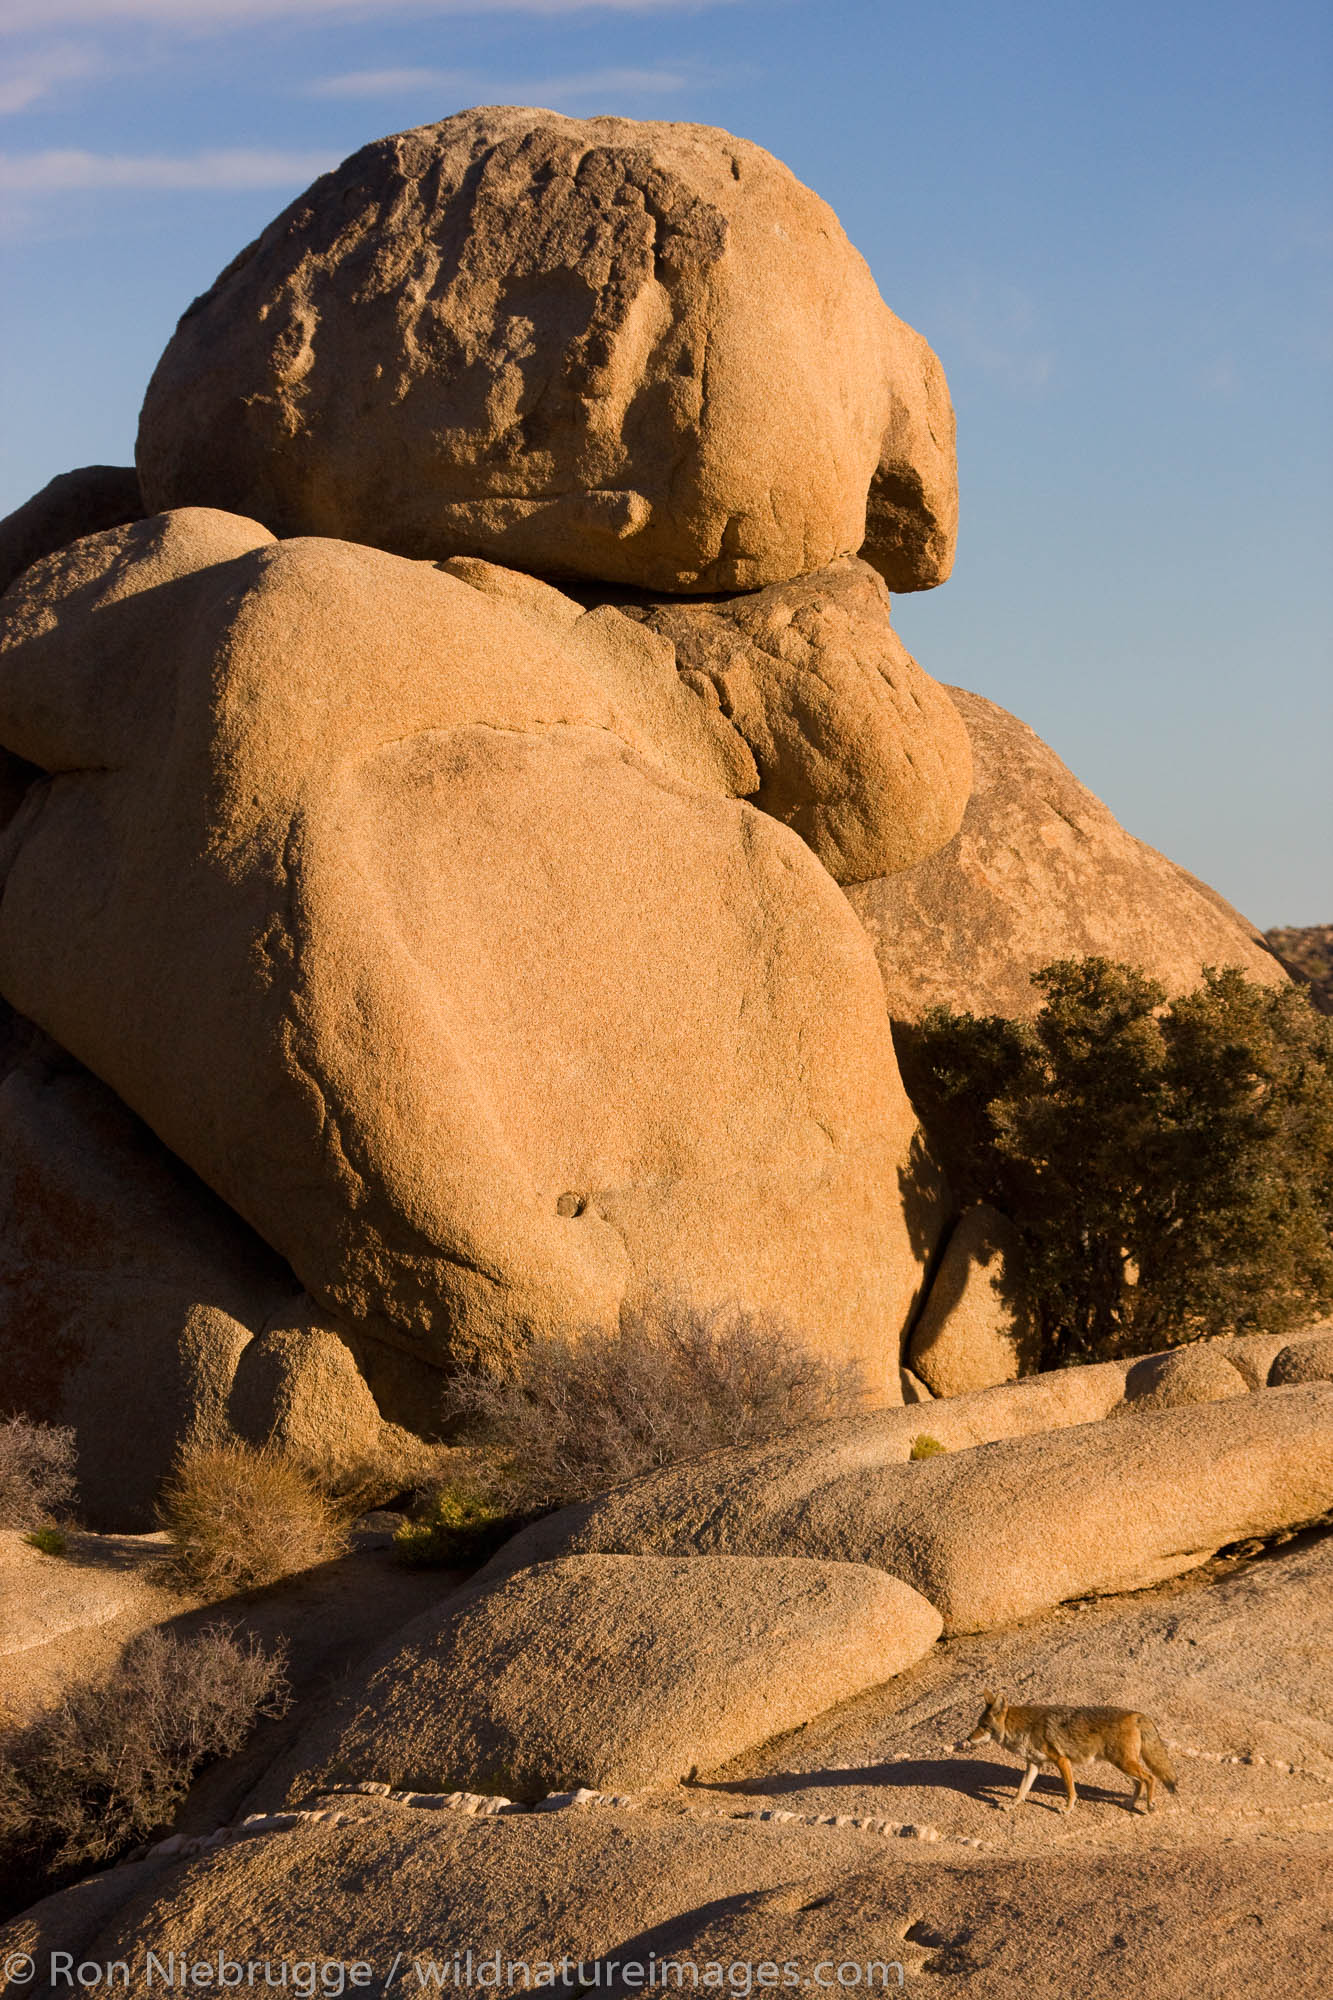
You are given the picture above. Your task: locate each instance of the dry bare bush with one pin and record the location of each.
(576, 1417)
(109, 1765)
(36, 1472)
(239, 1517)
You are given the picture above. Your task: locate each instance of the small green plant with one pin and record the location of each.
(51, 1541)
(926, 1447)
(456, 1526)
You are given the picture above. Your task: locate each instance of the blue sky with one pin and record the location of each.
(1113, 223)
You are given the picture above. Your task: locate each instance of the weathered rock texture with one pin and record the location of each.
(966, 1335)
(1187, 1375)
(998, 1531)
(747, 1498)
(430, 1884)
(912, 510)
(616, 1672)
(1040, 870)
(1166, 1924)
(69, 506)
(127, 1291)
(44, 1598)
(419, 923)
(857, 749)
(140, 1311)
(1308, 1360)
(637, 352)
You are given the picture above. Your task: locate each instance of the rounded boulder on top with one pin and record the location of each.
(638, 352)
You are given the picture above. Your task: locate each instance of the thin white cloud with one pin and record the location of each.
(385, 82)
(546, 90)
(224, 171)
(43, 70)
(29, 16)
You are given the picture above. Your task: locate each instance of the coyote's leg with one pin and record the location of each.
(1066, 1770)
(1024, 1788)
(1143, 1783)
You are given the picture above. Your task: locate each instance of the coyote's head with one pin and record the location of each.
(991, 1723)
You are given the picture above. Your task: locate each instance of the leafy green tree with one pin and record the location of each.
(1169, 1167)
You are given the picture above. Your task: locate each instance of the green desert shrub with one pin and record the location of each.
(240, 1516)
(1168, 1166)
(108, 1765)
(574, 1417)
(36, 1472)
(50, 1541)
(457, 1525)
(926, 1447)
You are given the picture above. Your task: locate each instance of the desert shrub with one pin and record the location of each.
(575, 1417)
(1169, 1167)
(36, 1472)
(239, 1517)
(926, 1447)
(50, 1541)
(110, 1763)
(457, 1525)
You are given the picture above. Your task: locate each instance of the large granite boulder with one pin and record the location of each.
(419, 921)
(637, 352)
(854, 746)
(1040, 870)
(614, 1672)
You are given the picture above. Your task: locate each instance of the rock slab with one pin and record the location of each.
(1040, 870)
(989, 1533)
(617, 1672)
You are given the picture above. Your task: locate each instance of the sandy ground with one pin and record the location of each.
(1225, 1889)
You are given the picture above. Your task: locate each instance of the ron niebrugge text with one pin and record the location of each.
(326, 1978)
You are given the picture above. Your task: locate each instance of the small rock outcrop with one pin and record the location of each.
(966, 1335)
(641, 353)
(527, 1686)
(1307, 1360)
(1040, 870)
(857, 749)
(135, 1305)
(71, 505)
(1194, 1374)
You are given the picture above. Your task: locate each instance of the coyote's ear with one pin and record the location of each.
(987, 1697)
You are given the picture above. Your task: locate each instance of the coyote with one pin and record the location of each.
(1068, 1736)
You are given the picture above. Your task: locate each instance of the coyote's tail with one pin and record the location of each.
(1154, 1753)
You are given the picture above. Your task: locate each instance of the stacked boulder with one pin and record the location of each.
(461, 957)
(465, 803)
